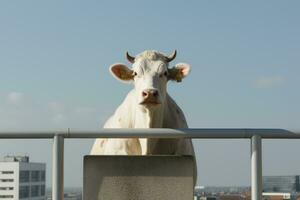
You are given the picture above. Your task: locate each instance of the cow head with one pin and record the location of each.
(150, 73)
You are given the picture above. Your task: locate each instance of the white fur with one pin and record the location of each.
(149, 67)
(129, 115)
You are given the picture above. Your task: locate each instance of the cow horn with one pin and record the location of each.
(130, 58)
(171, 57)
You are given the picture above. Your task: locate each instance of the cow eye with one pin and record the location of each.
(166, 73)
(134, 73)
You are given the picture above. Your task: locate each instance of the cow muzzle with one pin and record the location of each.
(150, 97)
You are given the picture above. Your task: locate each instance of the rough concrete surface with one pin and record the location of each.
(138, 178)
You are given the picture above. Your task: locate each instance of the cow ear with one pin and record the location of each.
(180, 71)
(121, 72)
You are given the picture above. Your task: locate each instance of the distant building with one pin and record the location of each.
(282, 184)
(231, 197)
(276, 196)
(21, 179)
(207, 198)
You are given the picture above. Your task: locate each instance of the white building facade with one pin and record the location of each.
(21, 179)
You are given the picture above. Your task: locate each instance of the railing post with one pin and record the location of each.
(256, 168)
(58, 168)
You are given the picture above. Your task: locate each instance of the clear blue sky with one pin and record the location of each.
(245, 73)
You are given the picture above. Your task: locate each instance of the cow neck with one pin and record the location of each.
(149, 118)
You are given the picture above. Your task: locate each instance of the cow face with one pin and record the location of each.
(150, 73)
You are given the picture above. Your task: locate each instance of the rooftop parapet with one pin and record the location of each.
(16, 159)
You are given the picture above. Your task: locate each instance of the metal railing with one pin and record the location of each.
(255, 135)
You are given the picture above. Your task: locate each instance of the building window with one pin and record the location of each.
(6, 180)
(24, 192)
(6, 196)
(7, 172)
(24, 176)
(35, 176)
(43, 176)
(35, 190)
(6, 188)
(43, 188)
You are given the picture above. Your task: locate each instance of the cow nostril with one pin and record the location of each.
(144, 94)
(149, 94)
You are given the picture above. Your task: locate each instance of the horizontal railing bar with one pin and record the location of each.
(28, 134)
(205, 133)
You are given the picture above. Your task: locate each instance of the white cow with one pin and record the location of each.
(147, 105)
